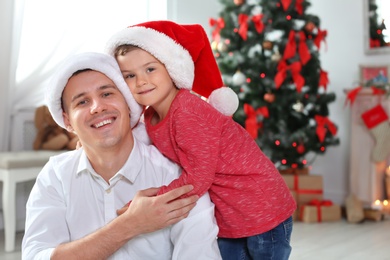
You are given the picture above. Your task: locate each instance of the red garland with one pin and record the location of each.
(351, 96)
(218, 24)
(251, 124)
(324, 124)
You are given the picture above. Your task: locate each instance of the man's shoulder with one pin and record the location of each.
(151, 153)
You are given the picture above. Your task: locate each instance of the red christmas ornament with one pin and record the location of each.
(238, 2)
(268, 45)
(269, 97)
(309, 27)
(301, 149)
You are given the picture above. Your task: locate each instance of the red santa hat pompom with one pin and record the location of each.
(187, 55)
(100, 62)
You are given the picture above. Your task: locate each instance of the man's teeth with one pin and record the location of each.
(105, 122)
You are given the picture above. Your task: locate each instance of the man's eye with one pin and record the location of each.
(81, 102)
(107, 94)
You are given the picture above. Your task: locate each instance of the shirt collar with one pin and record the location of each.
(130, 169)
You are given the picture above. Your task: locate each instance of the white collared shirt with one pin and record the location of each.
(70, 200)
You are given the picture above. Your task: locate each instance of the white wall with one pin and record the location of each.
(340, 57)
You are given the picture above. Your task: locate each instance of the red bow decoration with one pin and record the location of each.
(324, 124)
(218, 24)
(286, 4)
(251, 124)
(303, 50)
(375, 43)
(299, 6)
(320, 37)
(351, 96)
(243, 30)
(291, 46)
(257, 21)
(323, 79)
(295, 69)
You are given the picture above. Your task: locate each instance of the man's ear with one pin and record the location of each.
(69, 127)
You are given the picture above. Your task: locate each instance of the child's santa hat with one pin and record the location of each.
(100, 62)
(186, 53)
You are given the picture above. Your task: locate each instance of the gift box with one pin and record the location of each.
(373, 214)
(303, 171)
(319, 211)
(354, 209)
(306, 187)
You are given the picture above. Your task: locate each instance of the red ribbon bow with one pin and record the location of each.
(295, 69)
(298, 5)
(257, 21)
(375, 43)
(251, 124)
(303, 50)
(218, 24)
(324, 124)
(286, 4)
(323, 79)
(320, 37)
(243, 30)
(291, 46)
(318, 204)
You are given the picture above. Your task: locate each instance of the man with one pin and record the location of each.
(71, 211)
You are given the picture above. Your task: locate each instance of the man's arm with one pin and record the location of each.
(147, 213)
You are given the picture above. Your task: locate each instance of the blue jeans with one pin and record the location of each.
(271, 245)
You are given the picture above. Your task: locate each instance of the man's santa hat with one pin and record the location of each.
(186, 53)
(100, 62)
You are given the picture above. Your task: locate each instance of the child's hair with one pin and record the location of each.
(121, 50)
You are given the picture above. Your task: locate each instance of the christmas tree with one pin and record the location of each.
(268, 53)
(377, 38)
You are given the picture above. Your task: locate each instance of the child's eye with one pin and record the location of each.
(128, 76)
(150, 69)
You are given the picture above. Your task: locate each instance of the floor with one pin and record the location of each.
(320, 241)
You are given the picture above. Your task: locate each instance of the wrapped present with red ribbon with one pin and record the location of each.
(297, 171)
(307, 187)
(319, 211)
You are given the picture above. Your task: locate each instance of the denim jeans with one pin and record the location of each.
(271, 245)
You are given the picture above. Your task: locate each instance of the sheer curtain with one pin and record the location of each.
(46, 31)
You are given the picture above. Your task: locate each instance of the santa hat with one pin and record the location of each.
(95, 61)
(186, 53)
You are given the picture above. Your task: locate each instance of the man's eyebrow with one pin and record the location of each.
(103, 87)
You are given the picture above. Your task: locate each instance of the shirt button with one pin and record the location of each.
(108, 191)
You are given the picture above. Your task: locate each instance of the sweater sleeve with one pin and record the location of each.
(197, 145)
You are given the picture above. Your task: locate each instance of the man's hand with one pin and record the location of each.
(153, 212)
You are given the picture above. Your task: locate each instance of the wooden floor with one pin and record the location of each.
(321, 241)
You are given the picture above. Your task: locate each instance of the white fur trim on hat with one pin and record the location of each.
(176, 59)
(95, 61)
(225, 100)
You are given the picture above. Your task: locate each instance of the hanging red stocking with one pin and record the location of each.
(377, 122)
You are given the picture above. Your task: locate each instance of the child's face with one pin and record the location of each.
(147, 79)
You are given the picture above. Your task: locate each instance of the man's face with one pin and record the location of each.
(96, 110)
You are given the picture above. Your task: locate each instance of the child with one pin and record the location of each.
(162, 62)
